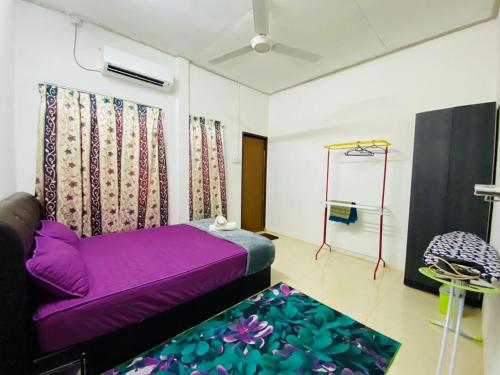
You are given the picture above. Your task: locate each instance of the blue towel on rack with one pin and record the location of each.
(345, 215)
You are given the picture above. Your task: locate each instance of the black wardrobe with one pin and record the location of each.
(454, 149)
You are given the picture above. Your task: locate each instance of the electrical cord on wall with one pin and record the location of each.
(77, 23)
(239, 135)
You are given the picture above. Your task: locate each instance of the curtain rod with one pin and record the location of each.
(96, 93)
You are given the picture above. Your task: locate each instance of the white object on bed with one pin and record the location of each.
(221, 223)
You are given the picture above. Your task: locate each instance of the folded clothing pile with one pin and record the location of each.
(466, 248)
(341, 214)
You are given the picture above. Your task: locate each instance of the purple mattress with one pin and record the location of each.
(134, 275)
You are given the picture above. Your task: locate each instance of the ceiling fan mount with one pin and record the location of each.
(262, 42)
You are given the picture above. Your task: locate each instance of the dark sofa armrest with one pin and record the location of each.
(20, 216)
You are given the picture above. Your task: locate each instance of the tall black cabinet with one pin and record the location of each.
(454, 149)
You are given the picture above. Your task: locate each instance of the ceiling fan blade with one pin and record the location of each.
(261, 17)
(231, 55)
(296, 52)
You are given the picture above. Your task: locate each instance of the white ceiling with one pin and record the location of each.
(344, 32)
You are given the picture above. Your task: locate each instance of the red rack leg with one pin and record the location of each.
(376, 268)
(324, 234)
(325, 217)
(381, 227)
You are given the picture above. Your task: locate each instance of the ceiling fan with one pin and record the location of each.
(262, 42)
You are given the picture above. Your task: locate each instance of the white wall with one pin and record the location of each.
(491, 304)
(7, 152)
(378, 99)
(217, 98)
(491, 333)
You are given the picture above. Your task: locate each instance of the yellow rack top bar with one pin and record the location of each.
(348, 145)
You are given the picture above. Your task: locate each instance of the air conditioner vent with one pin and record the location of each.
(122, 65)
(140, 77)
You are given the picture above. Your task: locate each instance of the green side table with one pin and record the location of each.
(457, 292)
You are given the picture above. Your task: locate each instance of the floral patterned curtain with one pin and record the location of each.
(101, 162)
(207, 180)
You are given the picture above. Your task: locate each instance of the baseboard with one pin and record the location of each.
(340, 250)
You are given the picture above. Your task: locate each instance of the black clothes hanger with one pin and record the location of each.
(375, 149)
(359, 151)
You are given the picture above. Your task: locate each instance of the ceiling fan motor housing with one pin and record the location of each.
(261, 43)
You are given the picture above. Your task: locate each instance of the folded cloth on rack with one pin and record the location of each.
(346, 215)
(467, 247)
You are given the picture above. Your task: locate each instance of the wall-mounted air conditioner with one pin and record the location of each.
(135, 69)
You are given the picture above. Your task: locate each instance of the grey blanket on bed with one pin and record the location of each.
(260, 249)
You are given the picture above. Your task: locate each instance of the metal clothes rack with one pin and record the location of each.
(491, 193)
(379, 210)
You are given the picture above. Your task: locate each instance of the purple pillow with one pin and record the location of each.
(59, 231)
(58, 268)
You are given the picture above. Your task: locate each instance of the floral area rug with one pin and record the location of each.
(279, 331)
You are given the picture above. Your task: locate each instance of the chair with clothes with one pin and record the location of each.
(464, 262)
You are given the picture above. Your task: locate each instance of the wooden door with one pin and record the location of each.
(253, 182)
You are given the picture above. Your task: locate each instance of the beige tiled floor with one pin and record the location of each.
(345, 283)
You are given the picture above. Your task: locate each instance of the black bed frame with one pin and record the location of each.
(20, 216)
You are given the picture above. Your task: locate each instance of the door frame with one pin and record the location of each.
(264, 138)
